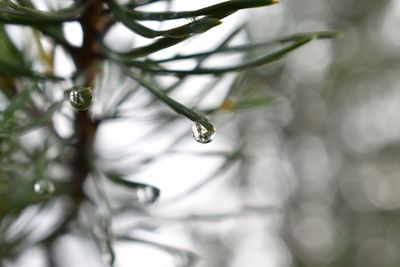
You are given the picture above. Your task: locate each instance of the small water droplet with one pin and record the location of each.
(108, 258)
(184, 258)
(201, 134)
(44, 187)
(80, 97)
(147, 194)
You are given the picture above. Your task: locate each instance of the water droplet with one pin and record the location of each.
(184, 258)
(44, 187)
(80, 97)
(201, 134)
(108, 257)
(147, 194)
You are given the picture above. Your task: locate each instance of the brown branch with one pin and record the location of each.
(94, 23)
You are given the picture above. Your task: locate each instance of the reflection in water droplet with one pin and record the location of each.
(201, 134)
(147, 194)
(44, 187)
(80, 97)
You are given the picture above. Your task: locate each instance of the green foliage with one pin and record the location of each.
(30, 104)
(12, 62)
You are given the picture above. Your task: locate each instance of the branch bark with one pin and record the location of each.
(94, 21)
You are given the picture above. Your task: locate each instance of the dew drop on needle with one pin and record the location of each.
(108, 257)
(44, 187)
(201, 134)
(147, 194)
(80, 98)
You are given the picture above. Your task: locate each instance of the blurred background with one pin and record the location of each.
(310, 180)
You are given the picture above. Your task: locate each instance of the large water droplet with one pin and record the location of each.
(44, 187)
(147, 194)
(201, 134)
(80, 97)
